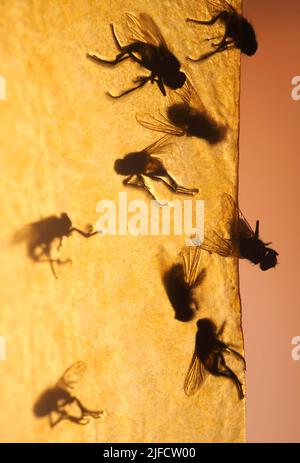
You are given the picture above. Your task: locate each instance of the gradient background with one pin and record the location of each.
(269, 190)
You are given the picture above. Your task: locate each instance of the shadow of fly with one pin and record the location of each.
(41, 235)
(186, 117)
(180, 282)
(60, 404)
(209, 357)
(149, 49)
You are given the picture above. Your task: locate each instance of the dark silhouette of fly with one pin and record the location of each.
(148, 48)
(59, 404)
(140, 166)
(243, 242)
(239, 33)
(209, 357)
(187, 117)
(181, 280)
(40, 237)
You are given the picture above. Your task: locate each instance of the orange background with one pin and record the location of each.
(269, 190)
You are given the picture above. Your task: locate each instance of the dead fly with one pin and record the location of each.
(181, 280)
(143, 165)
(238, 31)
(58, 402)
(242, 242)
(40, 237)
(148, 48)
(187, 117)
(209, 357)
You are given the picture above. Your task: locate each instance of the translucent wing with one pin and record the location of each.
(238, 224)
(195, 376)
(213, 242)
(191, 261)
(72, 375)
(23, 234)
(190, 96)
(159, 146)
(144, 29)
(159, 124)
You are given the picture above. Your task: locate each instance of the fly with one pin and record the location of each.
(40, 237)
(59, 404)
(243, 241)
(209, 357)
(148, 48)
(181, 280)
(239, 33)
(187, 117)
(140, 166)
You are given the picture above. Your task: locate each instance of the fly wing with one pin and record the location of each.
(230, 215)
(23, 234)
(159, 146)
(191, 262)
(195, 376)
(144, 29)
(244, 227)
(215, 243)
(72, 375)
(190, 96)
(159, 124)
(238, 224)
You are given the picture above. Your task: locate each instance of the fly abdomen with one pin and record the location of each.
(179, 293)
(201, 125)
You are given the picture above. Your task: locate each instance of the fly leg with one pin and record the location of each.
(221, 331)
(82, 233)
(46, 253)
(174, 186)
(85, 412)
(53, 422)
(228, 373)
(124, 53)
(43, 256)
(141, 182)
(214, 38)
(223, 15)
(59, 244)
(221, 46)
(115, 37)
(141, 81)
(62, 414)
(161, 85)
(235, 352)
(224, 45)
(120, 57)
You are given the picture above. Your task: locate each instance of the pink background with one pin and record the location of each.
(269, 190)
